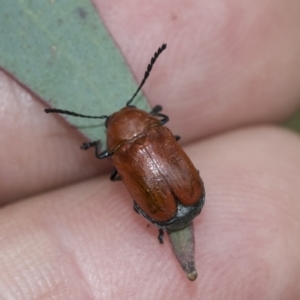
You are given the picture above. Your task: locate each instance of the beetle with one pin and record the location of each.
(165, 186)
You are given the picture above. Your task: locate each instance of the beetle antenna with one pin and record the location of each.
(71, 113)
(147, 72)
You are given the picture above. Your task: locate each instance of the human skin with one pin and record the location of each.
(229, 76)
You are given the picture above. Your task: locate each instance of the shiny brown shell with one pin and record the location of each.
(156, 171)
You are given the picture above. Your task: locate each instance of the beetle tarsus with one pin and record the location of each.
(160, 236)
(156, 109)
(97, 145)
(88, 145)
(155, 112)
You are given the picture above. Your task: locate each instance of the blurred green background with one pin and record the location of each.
(294, 122)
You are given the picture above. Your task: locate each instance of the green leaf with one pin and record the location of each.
(294, 122)
(62, 52)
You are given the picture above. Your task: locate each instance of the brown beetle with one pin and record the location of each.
(159, 176)
(164, 184)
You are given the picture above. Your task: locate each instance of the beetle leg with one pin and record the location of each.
(97, 145)
(156, 109)
(135, 208)
(160, 236)
(114, 174)
(155, 112)
(88, 145)
(177, 137)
